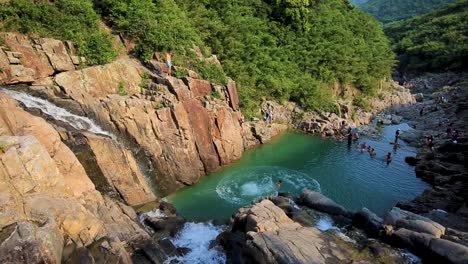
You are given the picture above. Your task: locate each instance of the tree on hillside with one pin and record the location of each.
(434, 42)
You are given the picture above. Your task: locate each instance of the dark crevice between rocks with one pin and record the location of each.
(6, 232)
(78, 143)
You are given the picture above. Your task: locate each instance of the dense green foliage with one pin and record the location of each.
(65, 19)
(394, 10)
(275, 49)
(275, 55)
(436, 41)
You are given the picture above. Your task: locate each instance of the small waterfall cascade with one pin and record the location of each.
(78, 122)
(198, 238)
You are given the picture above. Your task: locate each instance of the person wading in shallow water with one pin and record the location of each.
(169, 62)
(397, 136)
(389, 158)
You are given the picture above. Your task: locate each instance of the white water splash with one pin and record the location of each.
(154, 214)
(325, 224)
(57, 113)
(250, 183)
(440, 211)
(413, 259)
(197, 237)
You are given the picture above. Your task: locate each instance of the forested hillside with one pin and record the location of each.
(434, 42)
(282, 50)
(394, 10)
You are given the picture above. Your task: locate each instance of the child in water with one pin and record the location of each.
(372, 152)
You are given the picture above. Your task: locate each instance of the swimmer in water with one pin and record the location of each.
(389, 158)
(278, 184)
(364, 147)
(372, 152)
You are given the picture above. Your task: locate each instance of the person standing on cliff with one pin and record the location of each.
(169, 62)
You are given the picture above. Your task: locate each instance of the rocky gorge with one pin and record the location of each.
(69, 195)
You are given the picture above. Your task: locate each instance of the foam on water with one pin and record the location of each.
(156, 213)
(198, 237)
(57, 113)
(243, 186)
(325, 224)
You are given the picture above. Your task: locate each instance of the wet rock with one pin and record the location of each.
(419, 97)
(322, 203)
(369, 221)
(419, 242)
(453, 252)
(413, 161)
(120, 169)
(396, 119)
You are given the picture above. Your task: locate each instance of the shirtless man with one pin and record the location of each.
(169, 62)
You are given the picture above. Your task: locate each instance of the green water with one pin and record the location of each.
(349, 177)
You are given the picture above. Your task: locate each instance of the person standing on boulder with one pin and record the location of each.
(169, 62)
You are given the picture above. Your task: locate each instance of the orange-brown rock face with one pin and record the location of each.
(46, 198)
(26, 60)
(176, 125)
(184, 131)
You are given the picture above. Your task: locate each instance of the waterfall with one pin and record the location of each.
(198, 238)
(78, 122)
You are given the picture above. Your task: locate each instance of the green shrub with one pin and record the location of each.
(180, 72)
(145, 80)
(122, 89)
(362, 102)
(63, 19)
(216, 94)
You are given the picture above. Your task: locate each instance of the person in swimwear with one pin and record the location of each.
(169, 62)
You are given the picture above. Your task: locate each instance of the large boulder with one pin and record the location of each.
(403, 219)
(272, 237)
(322, 203)
(369, 221)
(30, 243)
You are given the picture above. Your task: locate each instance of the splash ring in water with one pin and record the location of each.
(250, 183)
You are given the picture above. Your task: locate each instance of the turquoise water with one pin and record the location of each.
(349, 177)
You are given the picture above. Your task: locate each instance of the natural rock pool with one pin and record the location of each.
(344, 174)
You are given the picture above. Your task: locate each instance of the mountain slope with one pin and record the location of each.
(436, 41)
(388, 11)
